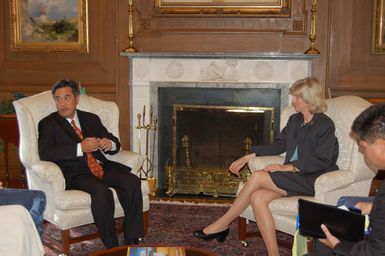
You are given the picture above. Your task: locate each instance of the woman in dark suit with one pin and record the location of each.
(311, 150)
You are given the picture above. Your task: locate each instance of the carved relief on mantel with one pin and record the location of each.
(220, 70)
(150, 21)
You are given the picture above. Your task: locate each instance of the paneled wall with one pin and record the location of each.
(351, 68)
(102, 71)
(343, 37)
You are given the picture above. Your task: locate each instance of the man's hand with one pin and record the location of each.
(330, 241)
(105, 144)
(365, 207)
(90, 145)
(1, 185)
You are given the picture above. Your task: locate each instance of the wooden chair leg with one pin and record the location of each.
(65, 237)
(66, 240)
(145, 222)
(241, 228)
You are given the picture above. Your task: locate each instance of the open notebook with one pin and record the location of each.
(345, 225)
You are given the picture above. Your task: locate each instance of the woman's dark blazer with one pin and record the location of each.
(317, 144)
(58, 142)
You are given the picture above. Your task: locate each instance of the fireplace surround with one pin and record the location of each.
(210, 78)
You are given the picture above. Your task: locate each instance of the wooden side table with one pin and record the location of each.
(9, 133)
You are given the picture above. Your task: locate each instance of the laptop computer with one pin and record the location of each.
(343, 224)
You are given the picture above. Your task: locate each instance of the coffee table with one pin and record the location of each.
(122, 251)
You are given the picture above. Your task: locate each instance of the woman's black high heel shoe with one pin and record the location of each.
(220, 236)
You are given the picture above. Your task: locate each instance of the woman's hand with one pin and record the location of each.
(238, 164)
(330, 241)
(278, 167)
(365, 207)
(1, 185)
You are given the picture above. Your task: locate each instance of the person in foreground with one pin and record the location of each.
(368, 130)
(77, 141)
(311, 149)
(34, 201)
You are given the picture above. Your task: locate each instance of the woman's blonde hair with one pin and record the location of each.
(311, 91)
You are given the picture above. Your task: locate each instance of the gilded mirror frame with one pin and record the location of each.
(270, 8)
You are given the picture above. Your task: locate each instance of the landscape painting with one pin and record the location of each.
(49, 25)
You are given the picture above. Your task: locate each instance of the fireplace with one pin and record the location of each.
(206, 139)
(202, 130)
(165, 80)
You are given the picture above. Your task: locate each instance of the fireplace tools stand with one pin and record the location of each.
(147, 167)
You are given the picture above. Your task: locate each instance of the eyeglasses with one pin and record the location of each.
(64, 99)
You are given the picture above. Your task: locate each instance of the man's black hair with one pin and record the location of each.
(370, 124)
(66, 83)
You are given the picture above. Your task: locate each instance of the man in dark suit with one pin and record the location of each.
(77, 141)
(368, 130)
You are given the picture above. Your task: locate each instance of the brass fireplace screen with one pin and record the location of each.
(206, 139)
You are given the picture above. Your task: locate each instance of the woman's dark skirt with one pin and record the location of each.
(295, 183)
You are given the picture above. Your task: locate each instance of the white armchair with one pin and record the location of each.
(68, 208)
(18, 236)
(353, 178)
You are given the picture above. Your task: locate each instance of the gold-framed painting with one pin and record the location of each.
(228, 7)
(378, 31)
(49, 26)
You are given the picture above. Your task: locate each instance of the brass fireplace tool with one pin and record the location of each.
(147, 168)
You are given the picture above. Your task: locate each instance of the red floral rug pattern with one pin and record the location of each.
(173, 224)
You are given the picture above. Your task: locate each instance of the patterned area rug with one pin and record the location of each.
(173, 224)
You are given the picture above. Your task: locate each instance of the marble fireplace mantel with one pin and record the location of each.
(150, 71)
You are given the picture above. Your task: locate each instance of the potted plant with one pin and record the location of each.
(6, 105)
(8, 122)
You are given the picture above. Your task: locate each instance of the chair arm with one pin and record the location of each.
(48, 177)
(260, 162)
(129, 158)
(47, 172)
(333, 180)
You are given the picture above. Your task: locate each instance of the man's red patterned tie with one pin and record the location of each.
(93, 164)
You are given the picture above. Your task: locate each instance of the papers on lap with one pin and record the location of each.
(156, 251)
(345, 225)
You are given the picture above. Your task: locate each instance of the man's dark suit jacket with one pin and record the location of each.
(374, 243)
(58, 142)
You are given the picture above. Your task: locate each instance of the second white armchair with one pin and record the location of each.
(353, 177)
